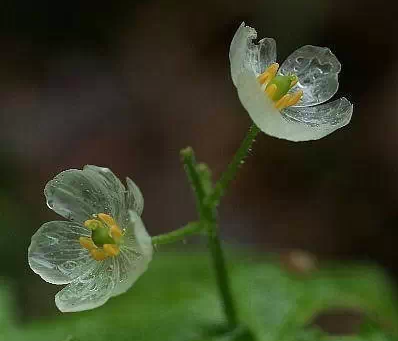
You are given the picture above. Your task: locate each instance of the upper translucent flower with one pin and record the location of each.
(286, 102)
(103, 248)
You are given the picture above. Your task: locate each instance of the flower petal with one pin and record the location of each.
(323, 119)
(245, 54)
(134, 198)
(56, 254)
(91, 290)
(78, 194)
(294, 124)
(317, 69)
(135, 254)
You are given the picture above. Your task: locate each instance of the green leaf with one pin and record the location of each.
(277, 304)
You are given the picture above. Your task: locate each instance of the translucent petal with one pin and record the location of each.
(115, 187)
(295, 124)
(55, 252)
(78, 194)
(135, 254)
(91, 290)
(245, 54)
(134, 200)
(324, 118)
(317, 69)
(143, 240)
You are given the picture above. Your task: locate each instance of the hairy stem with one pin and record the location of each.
(233, 167)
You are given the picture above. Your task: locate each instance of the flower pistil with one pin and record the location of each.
(106, 236)
(277, 86)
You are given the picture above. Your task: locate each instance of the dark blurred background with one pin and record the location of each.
(127, 84)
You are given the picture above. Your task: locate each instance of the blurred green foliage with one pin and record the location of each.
(177, 300)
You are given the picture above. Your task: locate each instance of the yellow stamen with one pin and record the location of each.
(107, 219)
(87, 243)
(288, 100)
(92, 224)
(111, 250)
(268, 74)
(98, 254)
(270, 90)
(294, 98)
(105, 238)
(116, 232)
(282, 102)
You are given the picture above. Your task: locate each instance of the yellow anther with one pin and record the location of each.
(92, 224)
(268, 74)
(282, 103)
(87, 243)
(116, 232)
(111, 250)
(270, 90)
(105, 238)
(288, 100)
(294, 98)
(107, 219)
(98, 254)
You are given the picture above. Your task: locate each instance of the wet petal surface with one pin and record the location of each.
(91, 290)
(317, 69)
(56, 254)
(327, 116)
(78, 194)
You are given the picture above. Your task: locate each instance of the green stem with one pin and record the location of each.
(233, 167)
(198, 177)
(222, 277)
(191, 169)
(179, 234)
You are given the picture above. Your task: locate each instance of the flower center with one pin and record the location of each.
(106, 236)
(277, 86)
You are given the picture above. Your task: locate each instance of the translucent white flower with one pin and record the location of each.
(103, 248)
(288, 103)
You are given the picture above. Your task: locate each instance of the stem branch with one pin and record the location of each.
(208, 216)
(177, 235)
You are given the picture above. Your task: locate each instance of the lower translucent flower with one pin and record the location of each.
(288, 102)
(104, 247)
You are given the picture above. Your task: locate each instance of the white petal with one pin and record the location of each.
(142, 238)
(289, 125)
(78, 194)
(317, 69)
(134, 200)
(324, 118)
(135, 254)
(56, 254)
(245, 54)
(91, 290)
